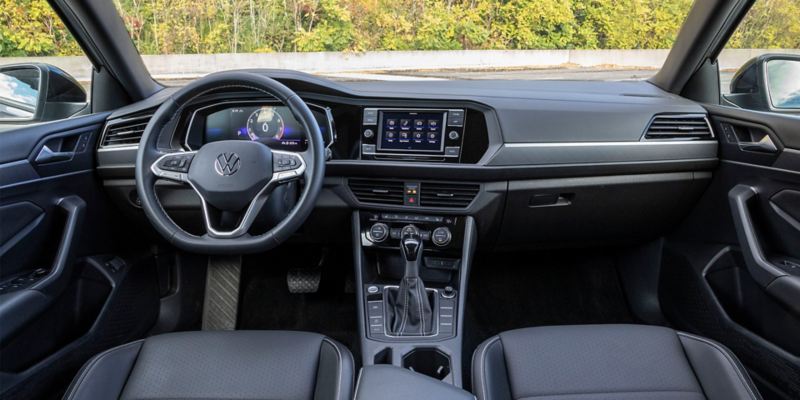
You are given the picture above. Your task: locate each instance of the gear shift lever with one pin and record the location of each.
(409, 307)
(410, 243)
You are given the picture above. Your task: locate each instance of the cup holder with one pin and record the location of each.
(428, 361)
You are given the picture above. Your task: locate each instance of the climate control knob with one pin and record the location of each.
(441, 236)
(378, 232)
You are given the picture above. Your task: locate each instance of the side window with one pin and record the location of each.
(44, 75)
(760, 65)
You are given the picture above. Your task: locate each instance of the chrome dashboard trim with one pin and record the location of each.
(595, 144)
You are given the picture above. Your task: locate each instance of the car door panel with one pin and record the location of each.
(732, 270)
(62, 284)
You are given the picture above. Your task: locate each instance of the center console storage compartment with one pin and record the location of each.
(428, 361)
(392, 383)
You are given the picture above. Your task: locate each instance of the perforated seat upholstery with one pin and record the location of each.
(607, 362)
(220, 365)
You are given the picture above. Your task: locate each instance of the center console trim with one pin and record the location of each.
(436, 314)
(451, 346)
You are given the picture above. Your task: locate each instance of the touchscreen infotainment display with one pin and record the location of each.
(411, 131)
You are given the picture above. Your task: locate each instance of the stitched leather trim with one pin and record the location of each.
(740, 372)
(340, 366)
(481, 364)
(606, 394)
(89, 367)
(358, 383)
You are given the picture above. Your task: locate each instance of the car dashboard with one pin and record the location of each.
(534, 162)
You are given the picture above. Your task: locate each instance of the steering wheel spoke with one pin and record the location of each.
(173, 166)
(287, 166)
(213, 217)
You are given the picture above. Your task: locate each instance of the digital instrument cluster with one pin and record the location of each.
(271, 124)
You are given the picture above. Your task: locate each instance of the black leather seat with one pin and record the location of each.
(607, 362)
(219, 365)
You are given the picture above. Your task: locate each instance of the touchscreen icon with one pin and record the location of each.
(403, 135)
(432, 136)
(433, 124)
(418, 135)
(405, 124)
(391, 123)
(390, 135)
(419, 124)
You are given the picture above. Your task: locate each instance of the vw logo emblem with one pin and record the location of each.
(227, 164)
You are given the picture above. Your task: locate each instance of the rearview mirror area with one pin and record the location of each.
(769, 82)
(38, 92)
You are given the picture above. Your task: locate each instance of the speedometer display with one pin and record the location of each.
(265, 123)
(273, 125)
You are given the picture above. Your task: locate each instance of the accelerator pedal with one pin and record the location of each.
(221, 304)
(304, 280)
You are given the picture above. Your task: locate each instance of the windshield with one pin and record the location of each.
(407, 39)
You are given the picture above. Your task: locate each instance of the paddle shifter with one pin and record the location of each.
(409, 307)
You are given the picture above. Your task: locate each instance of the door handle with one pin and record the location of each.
(57, 279)
(46, 155)
(780, 284)
(765, 145)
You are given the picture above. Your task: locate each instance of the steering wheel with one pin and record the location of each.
(233, 178)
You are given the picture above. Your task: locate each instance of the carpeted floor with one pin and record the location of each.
(267, 304)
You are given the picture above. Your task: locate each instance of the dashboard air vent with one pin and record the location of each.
(377, 191)
(451, 195)
(686, 127)
(127, 132)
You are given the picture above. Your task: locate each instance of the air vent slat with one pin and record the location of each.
(124, 132)
(431, 194)
(685, 127)
(450, 195)
(377, 191)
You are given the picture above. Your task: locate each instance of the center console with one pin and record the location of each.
(412, 262)
(411, 278)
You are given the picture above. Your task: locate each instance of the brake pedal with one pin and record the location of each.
(304, 280)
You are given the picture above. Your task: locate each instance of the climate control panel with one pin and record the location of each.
(438, 232)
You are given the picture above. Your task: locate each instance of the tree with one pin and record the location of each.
(31, 28)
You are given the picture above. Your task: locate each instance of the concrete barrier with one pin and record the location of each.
(184, 66)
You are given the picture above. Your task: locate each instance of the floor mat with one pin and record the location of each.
(520, 290)
(267, 304)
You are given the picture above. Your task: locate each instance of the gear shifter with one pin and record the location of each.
(409, 306)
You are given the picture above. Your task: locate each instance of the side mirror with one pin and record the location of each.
(770, 82)
(38, 93)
